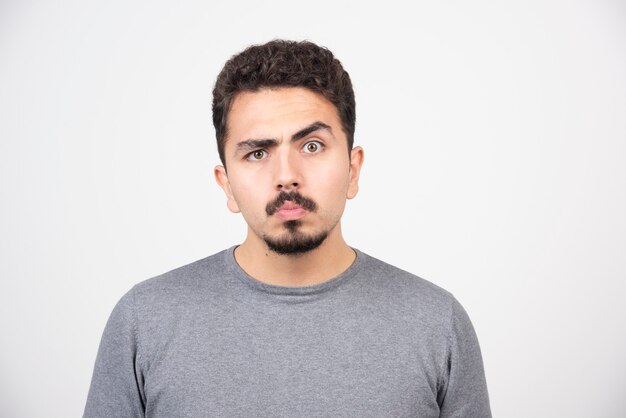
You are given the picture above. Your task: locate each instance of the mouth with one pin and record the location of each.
(290, 206)
(290, 211)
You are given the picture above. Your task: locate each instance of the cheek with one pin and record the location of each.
(333, 184)
(248, 195)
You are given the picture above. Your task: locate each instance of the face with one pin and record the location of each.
(289, 171)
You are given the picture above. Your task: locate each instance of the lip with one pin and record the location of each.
(290, 211)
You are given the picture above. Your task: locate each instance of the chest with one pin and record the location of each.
(292, 361)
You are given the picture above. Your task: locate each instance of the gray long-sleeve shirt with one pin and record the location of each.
(207, 340)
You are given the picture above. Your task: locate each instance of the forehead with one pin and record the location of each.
(277, 112)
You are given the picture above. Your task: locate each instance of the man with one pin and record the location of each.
(292, 322)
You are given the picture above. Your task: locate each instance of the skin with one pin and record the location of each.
(317, 164)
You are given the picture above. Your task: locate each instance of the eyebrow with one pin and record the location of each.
(270, 142)
(256, 143)
(315, 126)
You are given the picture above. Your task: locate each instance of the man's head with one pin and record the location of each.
(286, 138)
(282, 63)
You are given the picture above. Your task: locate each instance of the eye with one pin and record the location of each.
(312, 147)
(256, 155)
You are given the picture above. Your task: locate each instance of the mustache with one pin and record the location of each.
(295, 197)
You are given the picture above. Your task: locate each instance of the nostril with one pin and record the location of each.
(287, 186)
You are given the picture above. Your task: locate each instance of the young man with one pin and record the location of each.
(292, 322)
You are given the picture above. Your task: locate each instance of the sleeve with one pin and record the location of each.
(465, 392)
(117, 384)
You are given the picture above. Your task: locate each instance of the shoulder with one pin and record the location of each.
(403, 283)
(407, 293)
(192, 274)
(156, 307)
(183, 284)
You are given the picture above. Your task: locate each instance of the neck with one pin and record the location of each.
(327, 261)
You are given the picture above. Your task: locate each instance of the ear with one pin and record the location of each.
(221, 177)
(356, 161)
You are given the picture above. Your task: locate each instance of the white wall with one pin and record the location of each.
(500, 129)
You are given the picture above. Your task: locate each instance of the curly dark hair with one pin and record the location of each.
(282, 63)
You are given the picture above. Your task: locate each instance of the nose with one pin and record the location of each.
(288, 176)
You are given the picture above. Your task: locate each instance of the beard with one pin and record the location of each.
(293, 241)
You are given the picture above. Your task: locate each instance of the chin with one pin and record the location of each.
(295, 242)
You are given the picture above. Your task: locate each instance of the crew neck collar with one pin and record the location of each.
(325, 286)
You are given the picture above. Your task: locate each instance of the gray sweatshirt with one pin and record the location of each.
(207, 340)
